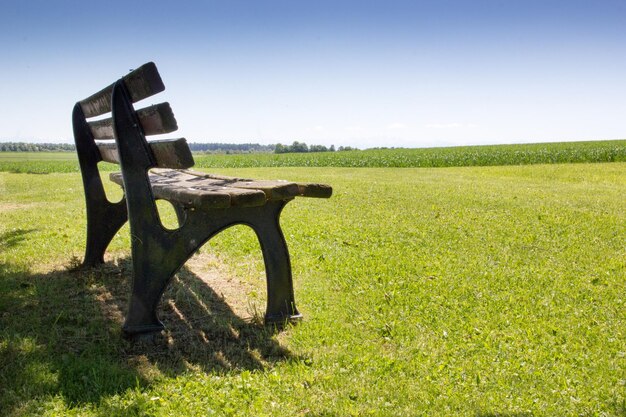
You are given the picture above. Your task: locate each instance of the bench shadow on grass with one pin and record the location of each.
(13, 238)
(202, 330)
(60, 335)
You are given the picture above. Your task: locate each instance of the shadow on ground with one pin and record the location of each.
(505, 415)
(13, 238)
(60, 335)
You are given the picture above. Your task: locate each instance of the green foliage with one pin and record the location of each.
(228, 148)
(479, 291)
(295, 147)
(36, 147)
(301, 147)
(44, 163)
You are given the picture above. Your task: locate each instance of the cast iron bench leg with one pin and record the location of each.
(156, 258)
(104, 218)
(281, 304)
(100, 232)
(158, 254)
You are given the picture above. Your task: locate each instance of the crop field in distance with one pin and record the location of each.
(486, 155)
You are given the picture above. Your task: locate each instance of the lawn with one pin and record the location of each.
(469, 291)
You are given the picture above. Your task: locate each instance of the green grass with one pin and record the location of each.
(38, 162)
(491, 155)
(477, 291)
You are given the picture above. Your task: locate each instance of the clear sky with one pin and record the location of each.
(352, 73)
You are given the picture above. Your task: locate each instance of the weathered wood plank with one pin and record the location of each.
(199, 196)
(315, 190)
(170, 153)
(143, 82)
(273, 189)
(206, 191)
(108, 152)
(155, 120)
(238, 196)
(205, 195)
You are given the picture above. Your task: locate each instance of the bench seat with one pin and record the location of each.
(202, 191)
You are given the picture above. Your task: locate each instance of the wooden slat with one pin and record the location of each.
(204, 195)
(315, 190)
(274, 190)
(238, 196)
(205, 191)
(108, 152)
(199, 196)
(143, 82)
(155, 120)
(171, 153)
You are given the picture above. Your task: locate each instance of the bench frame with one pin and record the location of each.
(157, 252)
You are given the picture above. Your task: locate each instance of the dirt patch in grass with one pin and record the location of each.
(17, 206)
(240, 294)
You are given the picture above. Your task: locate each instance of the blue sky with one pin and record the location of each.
(352, 73)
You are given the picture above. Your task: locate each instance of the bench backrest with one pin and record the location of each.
(157, 119)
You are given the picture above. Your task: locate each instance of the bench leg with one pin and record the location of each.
(142, 317)
(104, 219)
(181, 213)
(156, 258)
(157, 255)
(281, 305)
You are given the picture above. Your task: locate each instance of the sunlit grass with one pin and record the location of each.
(450, 291)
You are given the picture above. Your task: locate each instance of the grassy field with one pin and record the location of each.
(474, 291)
(491, 155)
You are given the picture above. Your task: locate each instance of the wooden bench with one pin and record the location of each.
(205, 204)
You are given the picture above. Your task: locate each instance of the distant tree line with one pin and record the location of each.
(221, 148)
(301, 147)
(36, 147)
(229, 148)
(195, 147)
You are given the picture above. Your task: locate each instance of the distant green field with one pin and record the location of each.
(36, 156)
(493, 155)
(472, 292)
(543, 153)
(38, 162)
